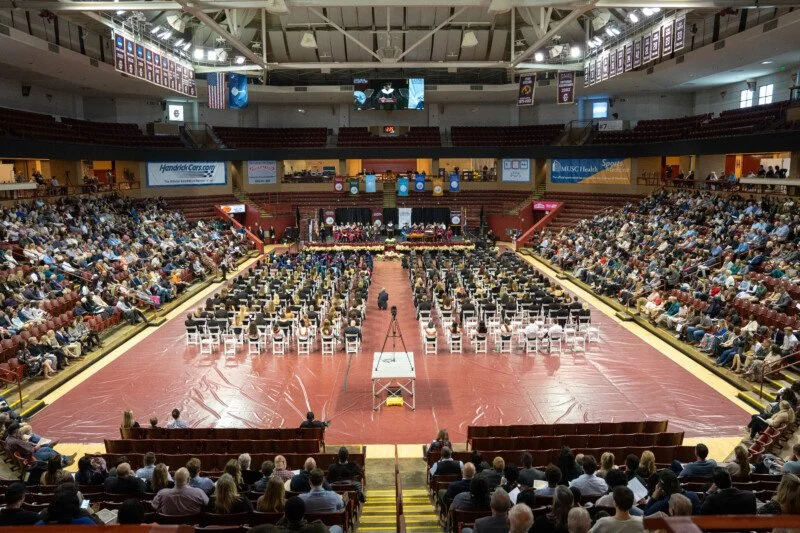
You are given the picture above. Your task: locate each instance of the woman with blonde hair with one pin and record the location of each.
(226, 499)
(442, 440)
(274, 497)
(233, 469)
(740, 466)
(786, 499)
(160, 479)
(128, 421)
(647, 465)
(606, 464)
(785, 415)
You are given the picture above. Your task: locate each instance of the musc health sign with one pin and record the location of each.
(613, 171)
(187, 173)
(262, 172)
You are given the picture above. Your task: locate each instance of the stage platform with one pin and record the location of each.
(620, 379)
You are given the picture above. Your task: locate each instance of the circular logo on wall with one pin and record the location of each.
(404, 188)
(329, 221)
(354, 189)
(455, 220)
(419, 185)
(454, 184)
(378, 222)
(234, 91)
(338, 186)
(437, 189)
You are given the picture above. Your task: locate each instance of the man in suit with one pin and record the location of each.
(424, 305)
(528, 474)
(446, 464)
(494, 475)
(383, 299)
(125, 482)
(498, 522)
(457, 487)
(723, 498)
(352, 329)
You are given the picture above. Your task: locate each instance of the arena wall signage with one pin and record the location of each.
(516, 170)
(262, 172)
(610, 171)
(187, 173)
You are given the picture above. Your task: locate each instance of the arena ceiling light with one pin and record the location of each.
(538, 57)
(633, 17)
(211, 55)
(240, 60)
(166, 35)
(575, 51)
(597, 40)
(186, 47)
(156, 30)
(469, 40)
(120, 12)
(199, 54)
(308, 40)
(647, 11)
(179, 42)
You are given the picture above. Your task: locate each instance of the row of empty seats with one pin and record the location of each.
(178, 446)
(546, 442)
(652, 131)
(578, 206)
(199, 207)
(506, 135)
(416, 136)
(272, 137)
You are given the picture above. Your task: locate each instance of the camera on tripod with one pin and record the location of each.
(394, 311)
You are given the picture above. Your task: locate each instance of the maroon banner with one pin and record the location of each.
(338, 184)
(377, 217)
(527, 85)
(566, 87)
(130, 58)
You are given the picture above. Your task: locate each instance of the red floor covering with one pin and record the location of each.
(620, 379)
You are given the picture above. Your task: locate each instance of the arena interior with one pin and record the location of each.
(430, 266)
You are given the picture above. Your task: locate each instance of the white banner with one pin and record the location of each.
(233, 208)
(403, 217)
(187, 173)
(609, 125)
(516, 170)
(262, 172)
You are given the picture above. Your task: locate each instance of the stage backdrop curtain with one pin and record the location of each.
(390, 215)
(430, 215)
(352, 215)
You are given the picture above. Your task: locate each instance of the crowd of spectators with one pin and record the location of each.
(106, 255)
(617, 498)
(720, 272)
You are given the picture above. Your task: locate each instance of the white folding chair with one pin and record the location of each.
(328, 345)
(351, 344)
(229, 345)
(593, 333)
(531, 344)
(278, 346)
(505, 344)
(481, 345)
(192, 337)
(554, 343)
(207, 344)
(456, 344)
(431, 345)
(254, 346)
(578, 340)
(303, 346)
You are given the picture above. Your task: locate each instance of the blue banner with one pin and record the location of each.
(610, 170)
(237, 91)
(402, 186)
(369, 183)
(455, 182)
(419, 183)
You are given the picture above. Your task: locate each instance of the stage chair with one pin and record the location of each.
(192, 337)
(303, 346)
(207, 344)
(531, 344)
(578, 340)
(254, 347)
(593, 333)
(230, 345)
(328, 345)
(456, 344)
(505, 345)
(481, 345)
(554, 344)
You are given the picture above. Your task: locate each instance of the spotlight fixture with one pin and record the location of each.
(199, 53)
(632, 17)
(179, 42)
(615, 31)
(656, 9)
(609, 32)
(469, 40)
(187, 46)
(597, 40)
(647, 11)
(308, 40)
(211, 55)
(539, 57)
(155, 30)
(120, 12)
(575, 51)
(240, 60)
(591, 44)
(222, 56)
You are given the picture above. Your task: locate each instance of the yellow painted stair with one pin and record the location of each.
(379, 513)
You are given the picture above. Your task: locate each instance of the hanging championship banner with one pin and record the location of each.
(352, 187)
(419, 183)
(646, 49)
(329, 217)
(338, 184)
(637, 52)
(527, 85)
(455, 182)
(680, 34)
(402, 186)
(369, 183)
(438, 186)
(620, 60)
(628, 57)
(655, 44)
(612, 63)
(604, 67)
(585, 75)
(666, 39)
(566, 87)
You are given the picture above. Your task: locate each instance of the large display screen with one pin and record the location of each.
(389, 95)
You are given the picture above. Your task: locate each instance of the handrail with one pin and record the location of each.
(525, 237)
(236, 224)
(764, 371)
(692, 524)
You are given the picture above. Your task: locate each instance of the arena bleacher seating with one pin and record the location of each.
(120, 134)
(580, 206)
(28, 125)
(272, 137)
(647, 131)
(416, 136)
(196, 208)
(741, 121)
(506, 135)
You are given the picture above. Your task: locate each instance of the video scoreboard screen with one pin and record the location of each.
(139, 61)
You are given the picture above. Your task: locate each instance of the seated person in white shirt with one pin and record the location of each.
(588, 483)
(622, 521)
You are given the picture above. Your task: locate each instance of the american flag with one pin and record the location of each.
(217, 90)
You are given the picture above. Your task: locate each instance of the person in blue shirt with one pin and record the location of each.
(668, 484)
(703, 467)
(65, 509)
(319, 500)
